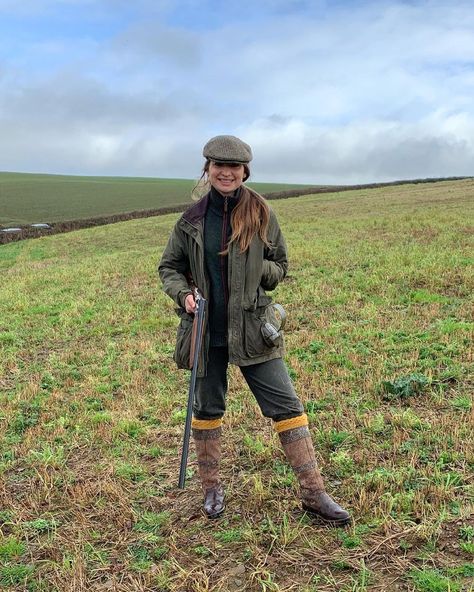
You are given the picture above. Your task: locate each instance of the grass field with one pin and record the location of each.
(33, 198)
(380, 347)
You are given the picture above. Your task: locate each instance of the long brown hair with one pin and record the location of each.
(250, 216)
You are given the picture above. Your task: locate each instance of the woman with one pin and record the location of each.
(230, 247)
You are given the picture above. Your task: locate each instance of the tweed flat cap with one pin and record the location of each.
(227, 149)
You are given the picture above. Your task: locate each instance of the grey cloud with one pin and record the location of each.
(154, 151)
(153, 41)
(429, 156)
(284, 151)
(77, 125)
(71, 100)
(277, 120)
(355, 153)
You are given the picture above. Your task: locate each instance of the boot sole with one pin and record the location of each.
(216, 515)
(327, 521)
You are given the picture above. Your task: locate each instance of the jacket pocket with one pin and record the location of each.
(182, 352)
(253, 321)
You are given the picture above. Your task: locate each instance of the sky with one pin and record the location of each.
(324, 91)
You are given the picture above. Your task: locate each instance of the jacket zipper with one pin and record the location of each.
(223, 257)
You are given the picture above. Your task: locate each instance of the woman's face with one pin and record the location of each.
(226, 177)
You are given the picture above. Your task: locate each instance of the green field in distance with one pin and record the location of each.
(27, 198)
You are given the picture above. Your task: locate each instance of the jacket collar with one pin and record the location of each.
(197, 211)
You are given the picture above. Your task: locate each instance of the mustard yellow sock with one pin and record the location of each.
(206, 424)
(289, 424)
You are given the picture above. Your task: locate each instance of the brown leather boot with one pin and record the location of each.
(296, 441)
(206, 434)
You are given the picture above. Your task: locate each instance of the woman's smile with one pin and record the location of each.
(226, 177)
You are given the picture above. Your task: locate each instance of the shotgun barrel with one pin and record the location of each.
(196, 342)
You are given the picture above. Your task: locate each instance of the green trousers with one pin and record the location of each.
(269, 382)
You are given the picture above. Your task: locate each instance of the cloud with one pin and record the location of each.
(153, 42)
(325, 93)
(76, 124)
(364, 152)
(69, 101)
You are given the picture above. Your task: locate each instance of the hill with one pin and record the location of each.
(34, 198)
(379, 345)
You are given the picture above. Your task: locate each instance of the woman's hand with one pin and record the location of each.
(190, 304)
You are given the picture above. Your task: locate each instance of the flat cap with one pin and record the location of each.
(227, 149)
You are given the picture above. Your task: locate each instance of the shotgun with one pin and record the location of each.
(196, 342)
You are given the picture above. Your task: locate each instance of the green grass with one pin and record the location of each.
(379, 343)
(30, 198)
(11, 548)
(431, 580)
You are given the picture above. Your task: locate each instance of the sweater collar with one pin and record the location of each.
(197, 211)
(217, 200)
